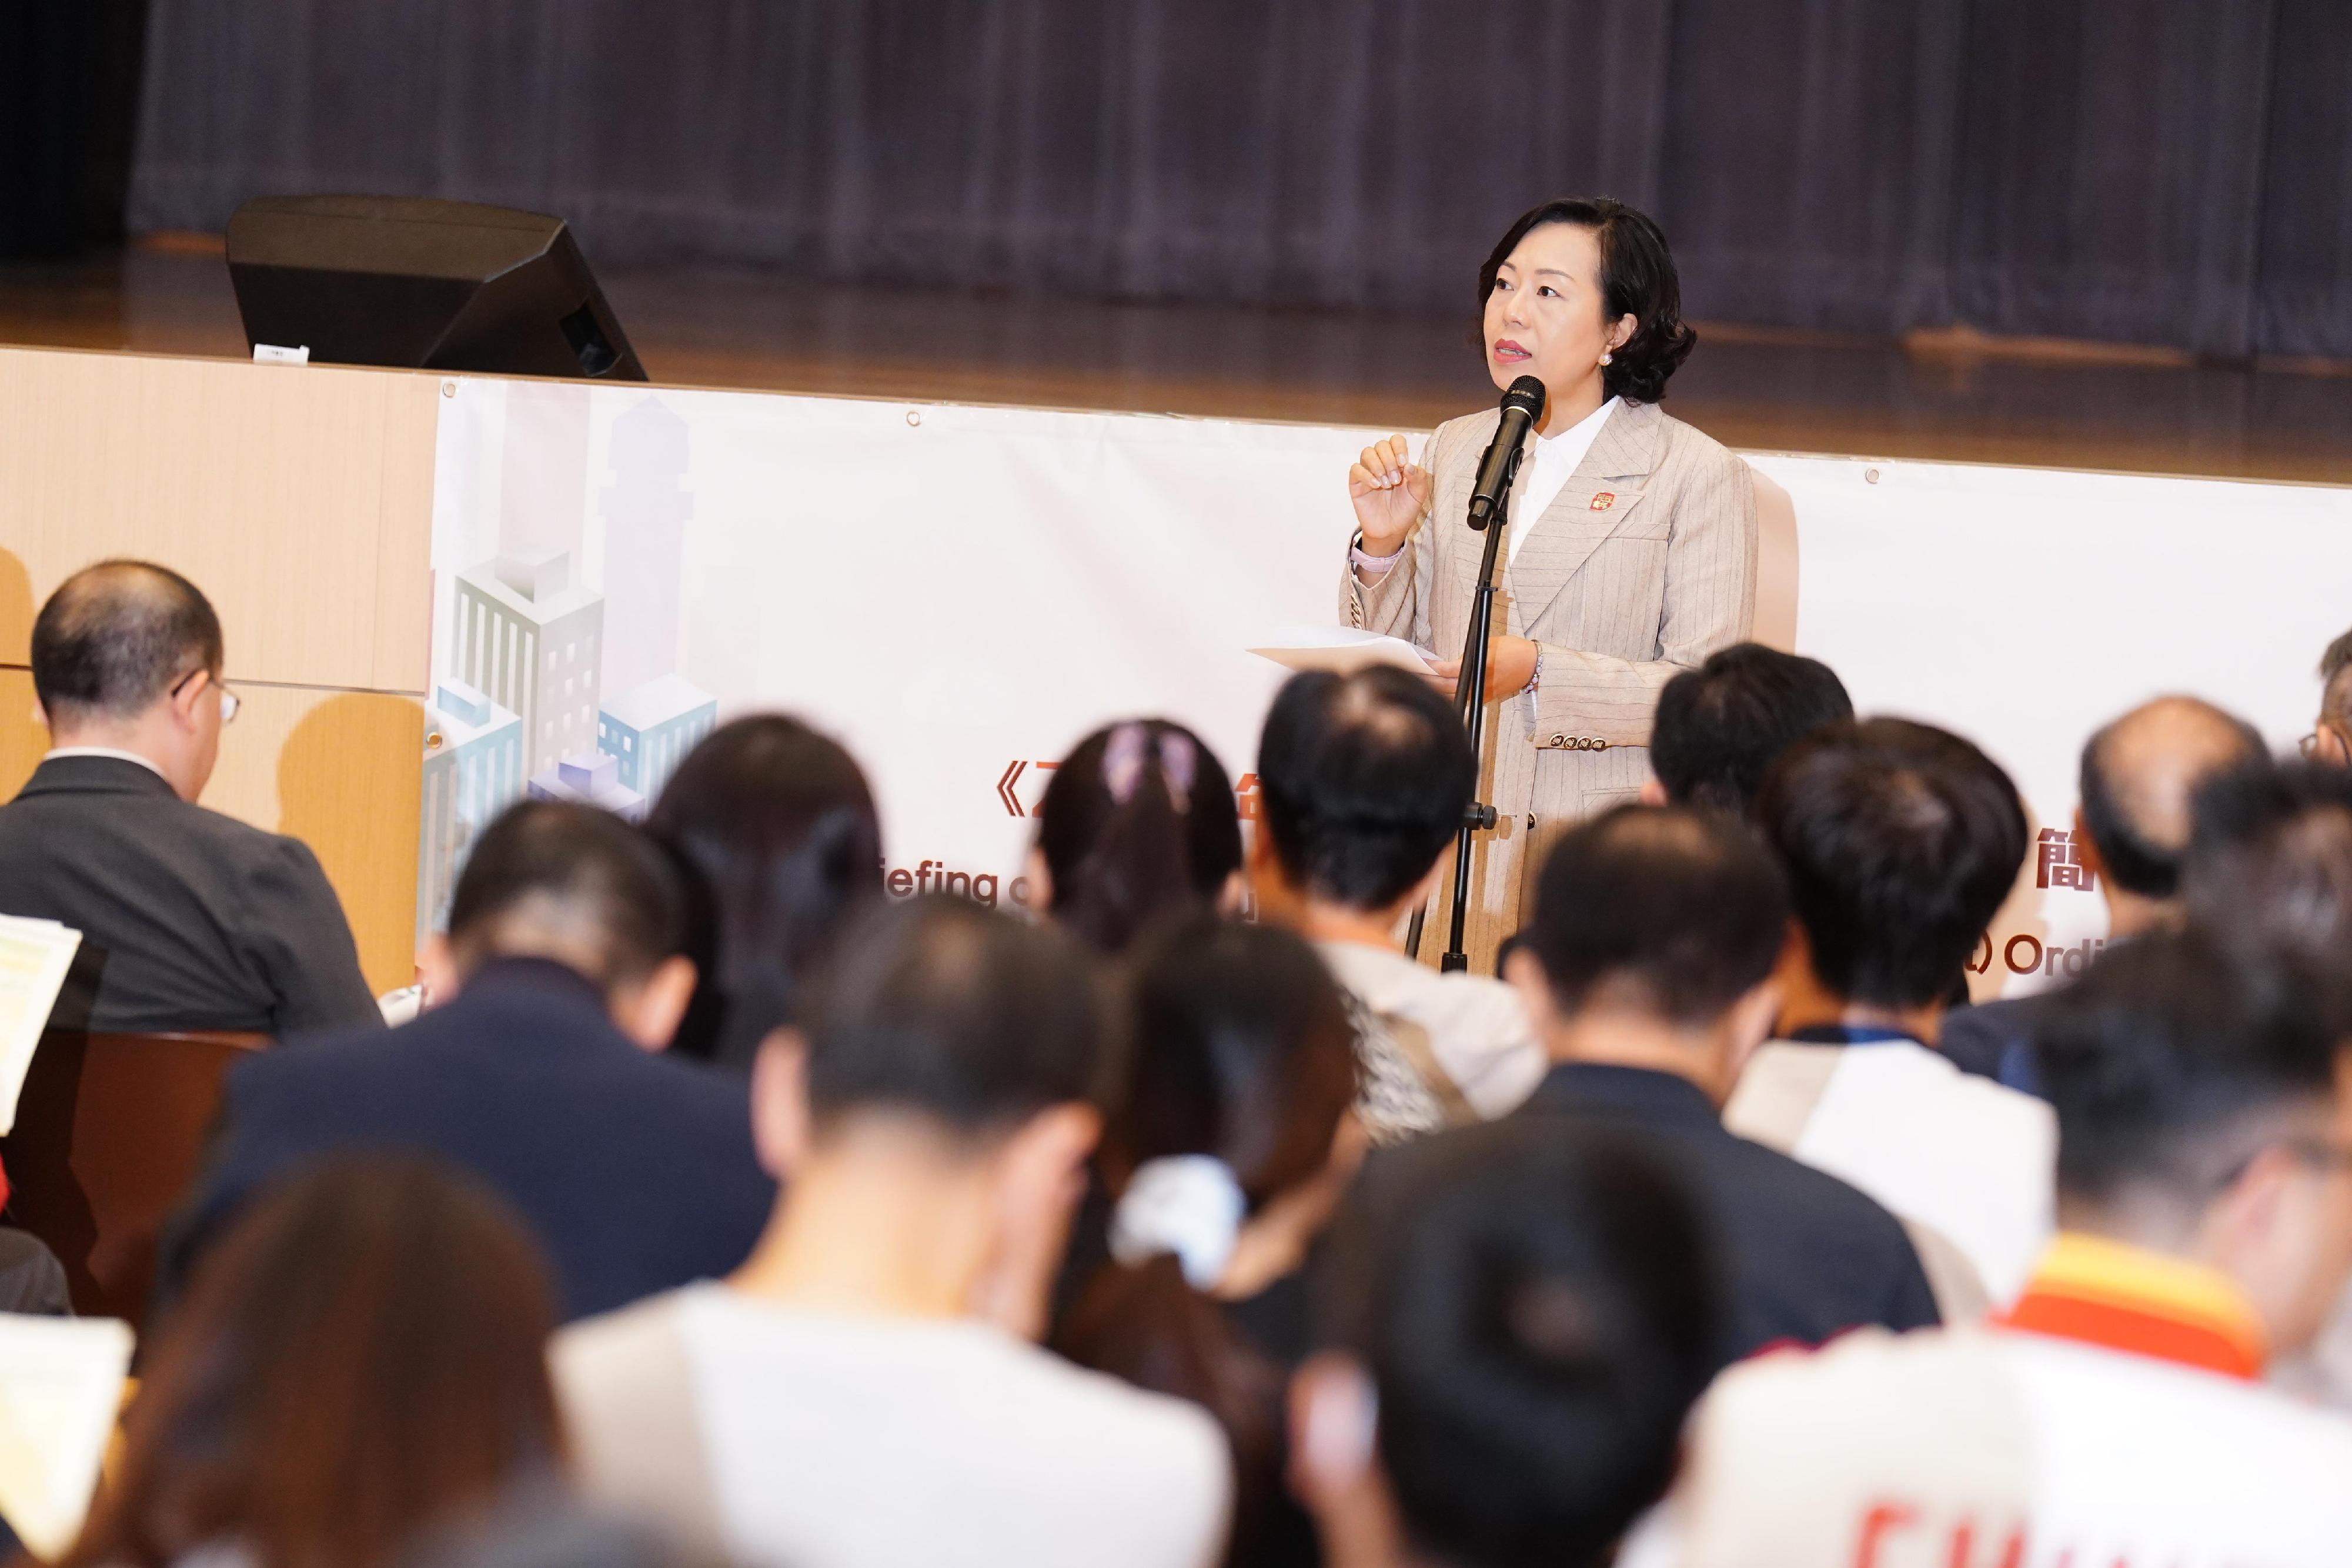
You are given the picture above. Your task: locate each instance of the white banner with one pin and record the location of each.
(959, 593)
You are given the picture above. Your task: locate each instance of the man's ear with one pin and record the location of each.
(1039, 1175)
(1234, 898)
(1045, 1160)
(1040, 877)
(2086, 848)
(780, 1108)
(648, 1012)
(437, 970)
(1526, 976)
(1749, 1024)
(1653, 793)
(183, 703)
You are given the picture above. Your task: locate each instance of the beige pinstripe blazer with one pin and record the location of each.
(1643, 565)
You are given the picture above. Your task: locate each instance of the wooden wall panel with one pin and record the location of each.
(299, 499)
(337, 770)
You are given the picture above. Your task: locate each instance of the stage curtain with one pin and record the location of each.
(2170, 174)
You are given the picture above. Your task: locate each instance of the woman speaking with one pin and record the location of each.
(1631, 553)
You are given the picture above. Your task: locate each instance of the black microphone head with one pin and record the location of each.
(1527, 394)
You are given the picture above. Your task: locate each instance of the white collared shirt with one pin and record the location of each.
(147, 763)
(1556, 458)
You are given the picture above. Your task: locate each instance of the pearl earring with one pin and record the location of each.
(1604, 356)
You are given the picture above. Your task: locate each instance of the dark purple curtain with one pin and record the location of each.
(2173, 173)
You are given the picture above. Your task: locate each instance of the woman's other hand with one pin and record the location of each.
(1510, 665)
(1389, 492)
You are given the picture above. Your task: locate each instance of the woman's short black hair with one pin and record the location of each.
(1637, 279)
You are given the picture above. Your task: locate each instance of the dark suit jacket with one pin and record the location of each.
(1994, 1040)
(1805, 1256)
(635, 1170)
(190, 920)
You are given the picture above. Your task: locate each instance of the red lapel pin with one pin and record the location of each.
(1604, 500)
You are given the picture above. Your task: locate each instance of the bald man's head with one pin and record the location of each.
(2336, 683)
(2139, 776)
(116, 637)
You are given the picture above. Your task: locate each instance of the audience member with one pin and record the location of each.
(777, 829)
(1230, 1148)
(2131, 832)
(860, 1392)
(1138, 827)
(359, 1361)
(2205, 1180)
(1520, 1323)
(1719, 726)
(190, 920)
(1363, 780)
(2330, 739)
(2272, 858)
(557, 985)
(1900, 841)
(1648, 969)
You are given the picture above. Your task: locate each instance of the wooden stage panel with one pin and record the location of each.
(300, 499)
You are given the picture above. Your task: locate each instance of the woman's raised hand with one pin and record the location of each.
(1389, 492)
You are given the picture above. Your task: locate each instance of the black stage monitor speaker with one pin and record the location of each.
(409, 281)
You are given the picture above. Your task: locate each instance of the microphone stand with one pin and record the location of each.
(1471, 693)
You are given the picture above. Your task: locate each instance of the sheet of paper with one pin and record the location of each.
(60, 1390)
(1341, 649)
(33, 957)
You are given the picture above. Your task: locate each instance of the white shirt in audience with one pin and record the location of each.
(1438, 1049)
(1968, 1158)
(782, 1437)
(1992, 1449)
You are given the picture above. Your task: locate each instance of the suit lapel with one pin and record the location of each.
(1563, 537)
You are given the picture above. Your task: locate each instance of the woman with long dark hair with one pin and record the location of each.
(358, 1363)
(776, 829)
(1228, 1153)
(1631, 551)
(1138, 826)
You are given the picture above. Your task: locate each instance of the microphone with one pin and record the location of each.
(1521, 405)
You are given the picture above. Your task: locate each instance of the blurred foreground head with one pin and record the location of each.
(359, 1360)
(951, 1068)
(2204, 1102)
(1520, 1323)
(573, 885)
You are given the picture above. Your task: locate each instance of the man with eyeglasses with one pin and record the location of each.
(2114, 1414)
(190, 919)
(2330, 739)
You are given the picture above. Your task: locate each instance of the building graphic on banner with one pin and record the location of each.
(575, 693)
(588, 779)
(532, 641)
(649, 729)
(473, 766)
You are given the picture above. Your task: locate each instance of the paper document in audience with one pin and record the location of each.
(33, 957)
(1341, 649)
(60, 1388)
